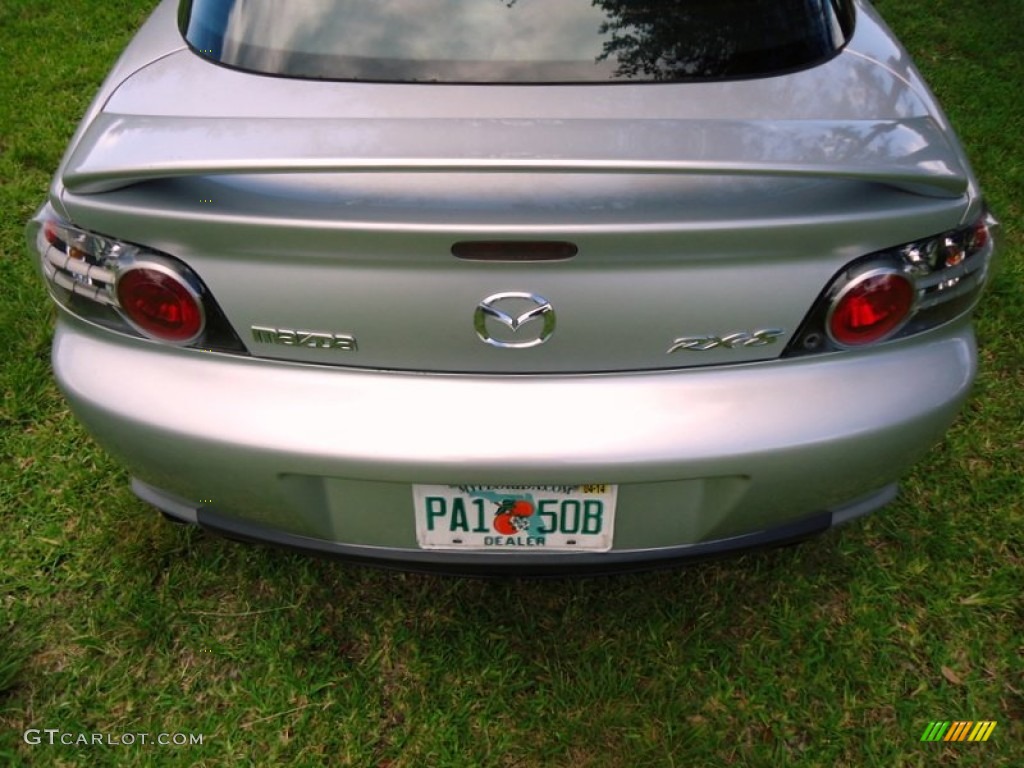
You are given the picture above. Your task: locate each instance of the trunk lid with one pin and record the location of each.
(327, 236)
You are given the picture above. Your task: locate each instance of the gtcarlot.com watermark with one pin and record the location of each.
(54, 736)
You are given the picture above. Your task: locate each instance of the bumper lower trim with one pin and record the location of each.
(511, 564)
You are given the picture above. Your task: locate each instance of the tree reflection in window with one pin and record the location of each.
(703, 39)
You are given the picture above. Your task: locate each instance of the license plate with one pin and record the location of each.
(513, 518)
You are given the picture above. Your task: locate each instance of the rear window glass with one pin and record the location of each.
(517, 41)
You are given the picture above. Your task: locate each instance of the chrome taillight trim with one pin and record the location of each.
(81, 278)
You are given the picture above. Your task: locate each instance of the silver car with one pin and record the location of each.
(515, 285)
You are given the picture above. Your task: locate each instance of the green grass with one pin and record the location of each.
(834, 653)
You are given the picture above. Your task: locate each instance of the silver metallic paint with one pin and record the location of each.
(312, 450)
(336, 204)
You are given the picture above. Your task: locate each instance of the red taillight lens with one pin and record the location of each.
(160, 303)
(51, 233)
(979, 236)
(871, 307)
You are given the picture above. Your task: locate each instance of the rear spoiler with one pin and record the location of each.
(119, 150)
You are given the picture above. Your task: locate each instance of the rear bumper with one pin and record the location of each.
(323, 458)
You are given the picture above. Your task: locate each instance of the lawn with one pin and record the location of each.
(838, 652)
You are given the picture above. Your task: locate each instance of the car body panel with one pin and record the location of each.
(318, 210)
(717, 214)
(749, 446)
(647, 273)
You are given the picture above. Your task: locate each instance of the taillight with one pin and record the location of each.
(128, 288)
(160, 303)
(871, 307)
(899, 291)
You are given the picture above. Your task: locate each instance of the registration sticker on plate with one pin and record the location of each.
(533, 518)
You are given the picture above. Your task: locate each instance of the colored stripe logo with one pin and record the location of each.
(959, 730)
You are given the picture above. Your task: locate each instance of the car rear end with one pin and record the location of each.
(524, 324)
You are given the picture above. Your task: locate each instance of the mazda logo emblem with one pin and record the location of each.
(518, 320)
